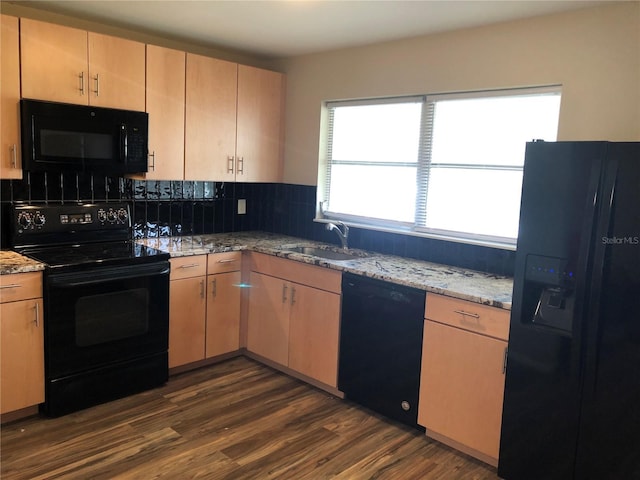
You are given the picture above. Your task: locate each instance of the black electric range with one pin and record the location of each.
(106, 303)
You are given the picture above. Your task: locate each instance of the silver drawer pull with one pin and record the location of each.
(190, 265)
(467, 314)
(11, 285)
(227, 261)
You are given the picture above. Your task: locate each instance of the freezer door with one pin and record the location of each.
(609, 441)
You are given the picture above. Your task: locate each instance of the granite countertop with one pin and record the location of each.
(12, 262)
(471, 285)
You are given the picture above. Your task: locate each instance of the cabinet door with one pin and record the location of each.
(314, 330)
(461, 387)
(21, 355)
(210, 119)
(53, 62)
(165, 106)
(223, 313)
(187, 309)
(268, 322)
(260, 125)
(10, 160)
(116, 72)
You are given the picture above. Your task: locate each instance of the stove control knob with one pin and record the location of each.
(112, 216)
(39, 220)
(122, 215)
(102, 216)
(24, 220)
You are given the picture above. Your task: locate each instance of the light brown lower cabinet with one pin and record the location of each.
(268, 320)
(223, 303)
(204, 307)
(462, 379)
(187, 310)
(294, 316)
(314, 329)
(21, 341)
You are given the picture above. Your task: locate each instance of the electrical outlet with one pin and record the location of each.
(242, 206)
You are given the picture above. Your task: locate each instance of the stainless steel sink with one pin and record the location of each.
(323, 253)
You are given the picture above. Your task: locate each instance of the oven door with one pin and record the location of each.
(103, 316)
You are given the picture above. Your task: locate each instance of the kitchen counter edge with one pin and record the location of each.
(471, 285)
(12, 262)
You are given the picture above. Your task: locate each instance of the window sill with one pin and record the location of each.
(416, 233)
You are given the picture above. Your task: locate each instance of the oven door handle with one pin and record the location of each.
(101, 275)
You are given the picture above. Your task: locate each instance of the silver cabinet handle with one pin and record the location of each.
(81, 77)
(293, 295)
(230, 162)
(11, 285)
(97, 79)
(227, 261)
(14, 156)
(37, 309)
(467, 314)
(214, 287)
(153, 156)
(189, 265)
(284, 292)
(241, 165)
(201, 288)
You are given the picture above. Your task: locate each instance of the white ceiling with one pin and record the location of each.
(294, 27)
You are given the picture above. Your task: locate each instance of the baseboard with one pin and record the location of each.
(483, 457)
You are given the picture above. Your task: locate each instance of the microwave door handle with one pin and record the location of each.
(123, 144)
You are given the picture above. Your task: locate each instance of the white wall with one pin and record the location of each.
(594, 53)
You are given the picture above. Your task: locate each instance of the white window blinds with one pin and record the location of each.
(436, 164)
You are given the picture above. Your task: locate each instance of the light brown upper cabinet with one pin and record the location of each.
(74, 66)
(165, 106)
(10, 161)
(260, 125)
(233, 129)
(210, 128)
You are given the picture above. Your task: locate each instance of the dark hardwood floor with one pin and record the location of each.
(234, 420)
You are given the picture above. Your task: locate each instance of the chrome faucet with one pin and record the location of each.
(341, 230)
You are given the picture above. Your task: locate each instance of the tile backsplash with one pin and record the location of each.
(168, 208)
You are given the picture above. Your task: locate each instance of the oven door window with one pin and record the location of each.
(108, 317)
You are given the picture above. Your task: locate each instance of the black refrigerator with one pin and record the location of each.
(572, 387)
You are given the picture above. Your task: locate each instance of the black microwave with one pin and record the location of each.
(58, 137)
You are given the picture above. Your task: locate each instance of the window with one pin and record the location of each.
(438, 165)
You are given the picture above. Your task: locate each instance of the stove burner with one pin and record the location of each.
(112, 253)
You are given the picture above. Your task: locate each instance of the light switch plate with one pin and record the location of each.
(242, 206)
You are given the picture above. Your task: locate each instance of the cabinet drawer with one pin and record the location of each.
(224, 262)
(490, 321)
(20, 286)
(291, 270)
(186, 267)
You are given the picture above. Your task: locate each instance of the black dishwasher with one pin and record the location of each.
(381, 346)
